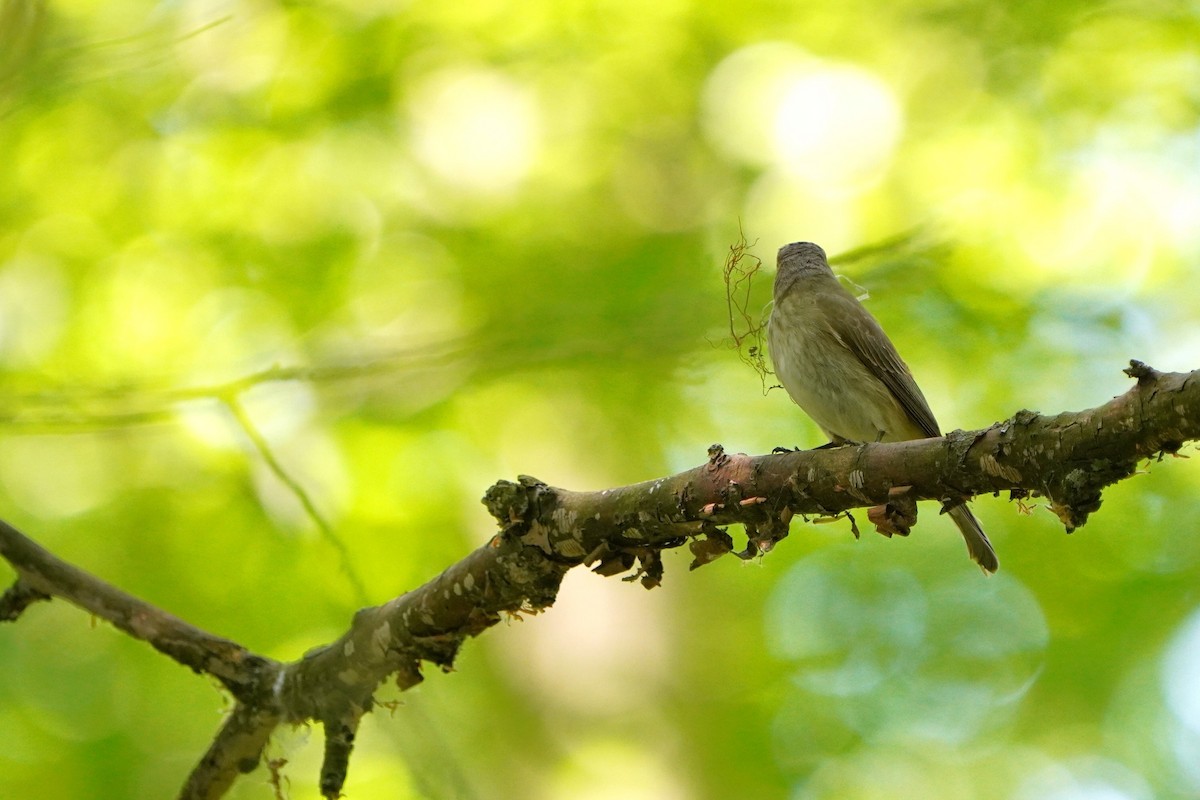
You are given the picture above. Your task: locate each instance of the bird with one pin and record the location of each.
(835, 362)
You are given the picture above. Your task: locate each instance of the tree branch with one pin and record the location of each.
(236, 749)
(1069, 458)
(43, 574)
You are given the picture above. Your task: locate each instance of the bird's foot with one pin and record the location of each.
(826, 446)
(897, 516)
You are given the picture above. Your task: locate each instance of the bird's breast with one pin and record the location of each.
(826, 379)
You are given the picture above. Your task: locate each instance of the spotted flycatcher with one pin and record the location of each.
(836, 362)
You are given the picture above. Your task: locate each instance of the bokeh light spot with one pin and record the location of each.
(833, 125)
(1179, 672)
(886, 655)
(33, 308)
(1084, 779)
(475, 129)
(837, 127)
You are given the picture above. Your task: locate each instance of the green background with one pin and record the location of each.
(489, 235)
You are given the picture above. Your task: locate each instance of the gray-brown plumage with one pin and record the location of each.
(836, 362)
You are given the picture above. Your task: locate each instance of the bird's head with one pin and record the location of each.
(797, 261)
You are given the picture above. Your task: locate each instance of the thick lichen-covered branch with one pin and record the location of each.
(1068, 458)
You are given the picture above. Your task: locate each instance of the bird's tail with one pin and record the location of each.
(977, 541)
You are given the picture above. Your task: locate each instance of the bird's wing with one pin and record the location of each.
(864, 337)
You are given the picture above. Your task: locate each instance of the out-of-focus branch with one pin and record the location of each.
(1069, 458)
(76, 409)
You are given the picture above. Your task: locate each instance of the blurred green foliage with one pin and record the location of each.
(486, 238)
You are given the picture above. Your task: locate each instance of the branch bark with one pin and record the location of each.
(1069, 458)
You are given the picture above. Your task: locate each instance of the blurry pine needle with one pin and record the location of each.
(22, 28)
(234, 404)
(746, 331)
(41, 56)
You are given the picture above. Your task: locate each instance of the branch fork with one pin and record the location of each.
(545, 531)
